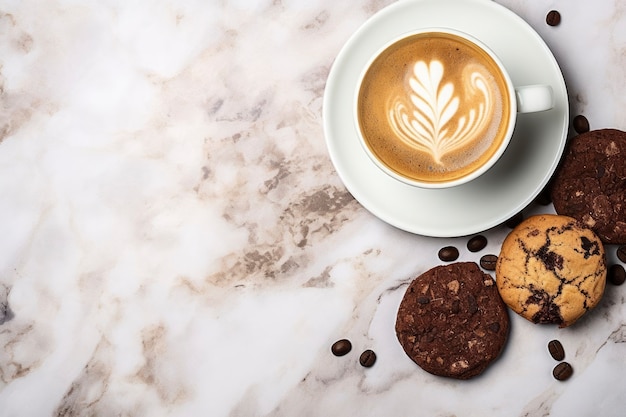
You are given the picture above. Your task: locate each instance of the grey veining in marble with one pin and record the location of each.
(175, 241)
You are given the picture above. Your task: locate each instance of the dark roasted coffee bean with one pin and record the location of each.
(367, 358)
(514, 221)
(556, 350)
(341, 347)
(581, 124)
(621, 253)
(448, 254)
(477, 243)
(553, 18)
(562, 371)
(616, 274)
(488, 262)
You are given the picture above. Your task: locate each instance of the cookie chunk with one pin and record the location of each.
(590, 184)
(452, 321)
(551, 269)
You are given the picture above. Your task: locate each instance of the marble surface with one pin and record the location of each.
(176, 242)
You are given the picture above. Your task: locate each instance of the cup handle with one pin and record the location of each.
(534, 98)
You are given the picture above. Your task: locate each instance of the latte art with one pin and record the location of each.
(424, 119)
(433, 107)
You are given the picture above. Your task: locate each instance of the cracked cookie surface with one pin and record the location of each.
(590, 184)
(551, 269)
(452, 321)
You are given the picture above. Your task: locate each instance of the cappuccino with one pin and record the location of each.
(433, 107)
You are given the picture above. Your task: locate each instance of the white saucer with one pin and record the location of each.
(511, 184)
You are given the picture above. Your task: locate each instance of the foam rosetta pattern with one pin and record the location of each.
(429, 117)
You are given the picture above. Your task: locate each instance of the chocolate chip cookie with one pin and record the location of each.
(590, 184)
(452, 321)
(551, 269)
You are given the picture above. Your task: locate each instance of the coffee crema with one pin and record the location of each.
(433, 107)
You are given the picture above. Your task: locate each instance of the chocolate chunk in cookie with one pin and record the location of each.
(551, 269)
(452, 321)
(590, 184)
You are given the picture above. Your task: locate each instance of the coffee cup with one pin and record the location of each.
(436, 108)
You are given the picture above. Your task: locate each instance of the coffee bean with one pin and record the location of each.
(556, 350)
(456, 306)
(341, 347)
(514, 221)
(448, 254)
(477, 243)
(488, 262)
(616, 274)
(621, 253)
(553, 18)
(562, 371)
(581, 124)
(367, 358)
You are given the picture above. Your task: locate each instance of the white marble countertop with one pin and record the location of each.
(176, 242)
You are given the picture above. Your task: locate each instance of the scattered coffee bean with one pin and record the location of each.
(553, 18)
(477, 243)
(556, 350)
(562, 371)
(621, 253)
(581, 124)
(341, 347)
(515, 220)
(448, 254)
(616, 274)
(488, 262)
(367, 358)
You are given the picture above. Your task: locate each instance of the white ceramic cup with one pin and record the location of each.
(522, 99)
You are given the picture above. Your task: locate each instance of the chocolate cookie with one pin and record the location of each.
(551, 269)
(590, 184)
(452, 321)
